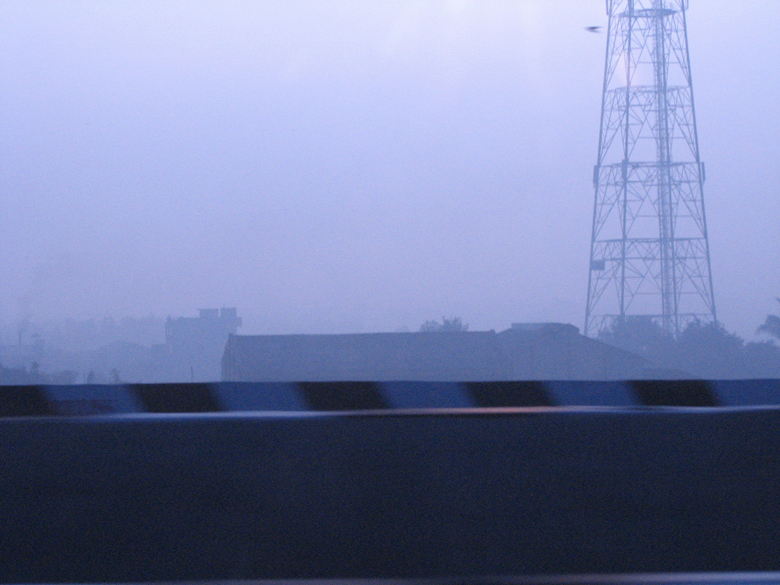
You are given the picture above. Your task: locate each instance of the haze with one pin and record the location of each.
(339, 166)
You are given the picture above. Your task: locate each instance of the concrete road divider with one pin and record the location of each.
(456, 497)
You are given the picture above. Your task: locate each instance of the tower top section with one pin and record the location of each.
(645, 8)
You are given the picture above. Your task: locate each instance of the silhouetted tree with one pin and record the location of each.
(708, 350)
(762, 359)
(640, 335)
(704, 350)
(771, 325)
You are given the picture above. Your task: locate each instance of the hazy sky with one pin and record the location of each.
(339, 166)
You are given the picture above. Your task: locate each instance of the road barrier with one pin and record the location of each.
(358, 396)
(452, 495)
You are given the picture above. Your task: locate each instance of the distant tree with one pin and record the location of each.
(708, 350)
(641, 335)
(451, 324)
(771, 325)
(762, 359)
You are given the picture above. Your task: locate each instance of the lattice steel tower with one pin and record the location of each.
(649, 250)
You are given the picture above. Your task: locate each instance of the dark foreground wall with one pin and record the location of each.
(237, 496)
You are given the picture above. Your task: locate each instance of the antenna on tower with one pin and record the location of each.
(649, 251)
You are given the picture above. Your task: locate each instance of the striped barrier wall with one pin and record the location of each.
(91, 400)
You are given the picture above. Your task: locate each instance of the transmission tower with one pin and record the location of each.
(649, 252)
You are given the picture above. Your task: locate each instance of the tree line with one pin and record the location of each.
(704, 350)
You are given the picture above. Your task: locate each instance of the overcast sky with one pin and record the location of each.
(350, 166)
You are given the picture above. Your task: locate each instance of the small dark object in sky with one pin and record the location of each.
(593, 29)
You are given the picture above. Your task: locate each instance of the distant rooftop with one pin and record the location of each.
(538, 351)
(543, 325)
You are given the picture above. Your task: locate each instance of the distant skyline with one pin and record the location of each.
(332, 167)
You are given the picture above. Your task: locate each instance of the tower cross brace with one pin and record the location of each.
(649, 253)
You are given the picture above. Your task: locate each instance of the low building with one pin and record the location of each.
(193, 345)
(544, 351)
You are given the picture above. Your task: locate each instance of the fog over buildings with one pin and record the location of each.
(331, 167)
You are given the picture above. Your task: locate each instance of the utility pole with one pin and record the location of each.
(649, 253)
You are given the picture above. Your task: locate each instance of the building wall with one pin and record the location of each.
(546, 353)
(193, 345)
(364, 357)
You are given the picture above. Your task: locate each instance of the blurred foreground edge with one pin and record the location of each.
(629, 579)
(450, 496)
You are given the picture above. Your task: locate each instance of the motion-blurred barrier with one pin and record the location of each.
(460, 496)
(359, 396)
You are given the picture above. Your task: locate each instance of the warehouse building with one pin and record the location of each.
(538, 351)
